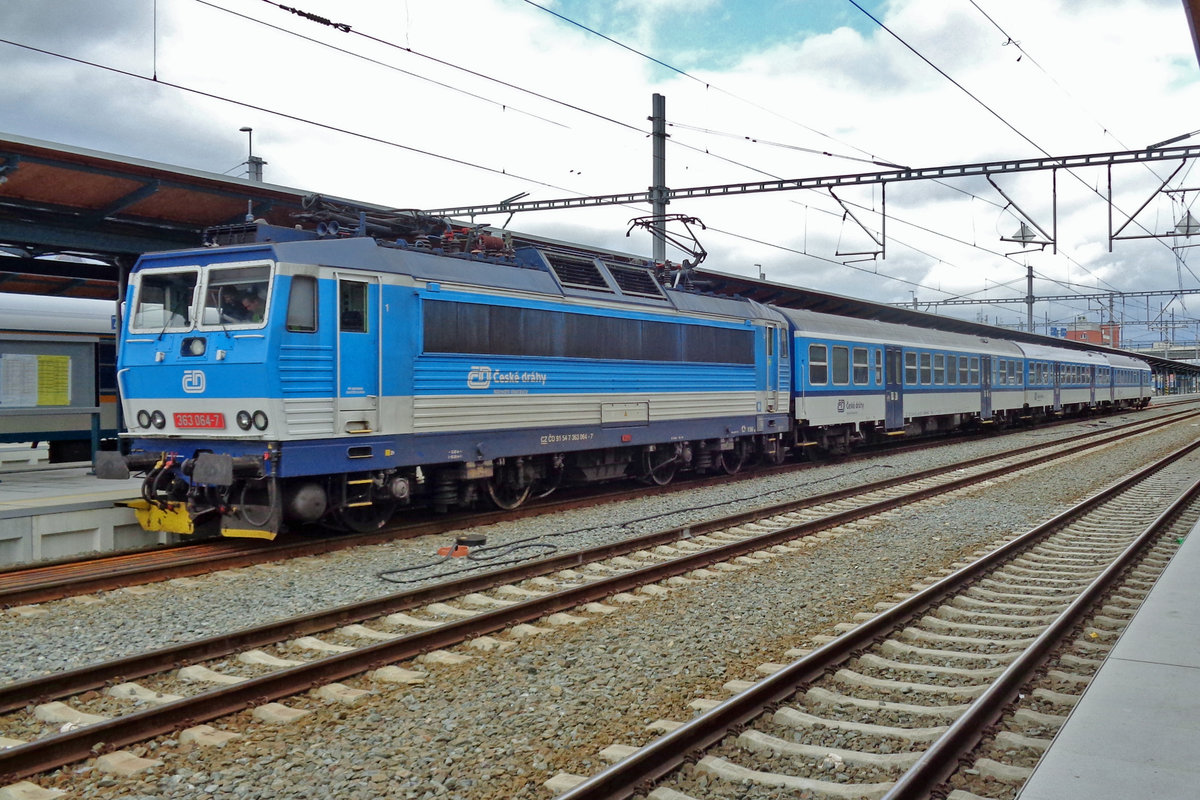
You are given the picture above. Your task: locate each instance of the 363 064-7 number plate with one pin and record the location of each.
(199, 419)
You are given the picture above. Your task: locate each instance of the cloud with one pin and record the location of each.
(773, 89)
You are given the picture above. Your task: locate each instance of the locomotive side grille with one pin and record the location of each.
(306, 378)
(308, 417)
(634, 281)
(576, 271)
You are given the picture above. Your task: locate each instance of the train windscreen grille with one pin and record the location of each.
(577, 272)
(635, 281)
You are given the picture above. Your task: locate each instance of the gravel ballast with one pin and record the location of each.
(503, 723)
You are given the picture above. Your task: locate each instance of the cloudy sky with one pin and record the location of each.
(436, 103)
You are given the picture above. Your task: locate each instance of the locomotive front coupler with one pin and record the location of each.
(111, 465)
(216, 469)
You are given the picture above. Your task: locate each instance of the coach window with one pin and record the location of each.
(926, 369)
(964, 370)
(841, 365)
(952, 370)
(352, 307)
(862, 367)
(939, 369)
(818, 365)
(879, 368)
(974, 369)
(302, 304)
(910, 369)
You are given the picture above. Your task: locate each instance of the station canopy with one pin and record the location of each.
(97, 212)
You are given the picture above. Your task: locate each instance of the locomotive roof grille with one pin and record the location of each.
(632, 280)
(577, 271)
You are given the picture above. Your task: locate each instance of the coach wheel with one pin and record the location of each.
(366, 518)
(660, 465)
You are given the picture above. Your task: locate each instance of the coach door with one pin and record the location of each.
(358, 354)
(985, 387)
(777, 364)
(1057, 370)
(893, 394)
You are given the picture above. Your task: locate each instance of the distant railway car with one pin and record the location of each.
(371, 375)
(859, 379)
(1129, 383)
(57, 370)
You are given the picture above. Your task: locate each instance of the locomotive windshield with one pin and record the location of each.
(235, 295)
(164, 300)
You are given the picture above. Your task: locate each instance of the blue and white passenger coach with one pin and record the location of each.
(275, 383)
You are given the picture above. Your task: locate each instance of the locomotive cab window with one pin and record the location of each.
(164, 300)
(302, 304)
(236, 295)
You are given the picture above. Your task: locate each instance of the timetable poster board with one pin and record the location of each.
(29, 380)
(52, 374)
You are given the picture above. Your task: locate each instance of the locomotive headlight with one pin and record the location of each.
(260, 420)
(143, 419)
(158, 420)
(195, 346)
(243, 420)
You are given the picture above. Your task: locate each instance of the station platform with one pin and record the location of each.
(50, 511)
(1134, 733)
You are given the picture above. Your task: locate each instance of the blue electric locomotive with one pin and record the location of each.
(307, 379)
(286, 377)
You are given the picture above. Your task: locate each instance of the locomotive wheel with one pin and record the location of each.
(731, 461)
(660, 466)
(364, 519)
(508, 495)
(776, 458)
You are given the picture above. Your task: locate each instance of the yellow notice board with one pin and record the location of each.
(53, 380)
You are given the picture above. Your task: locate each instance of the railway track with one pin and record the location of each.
(47, 582)
(244, 676)
(895, 707)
